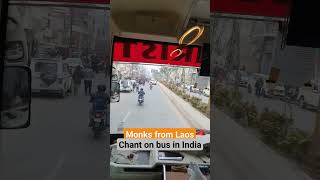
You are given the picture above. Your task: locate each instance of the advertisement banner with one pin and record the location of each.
(142, 51)
(266, 8)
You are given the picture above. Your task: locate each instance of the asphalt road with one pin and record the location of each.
(57, 146)
(156, 112)
(240, 155)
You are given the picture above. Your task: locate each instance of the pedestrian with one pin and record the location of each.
(88, 78)
(258, 86)
(134, 86)
(77, 77)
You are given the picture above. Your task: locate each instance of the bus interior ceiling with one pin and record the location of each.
(159, 20)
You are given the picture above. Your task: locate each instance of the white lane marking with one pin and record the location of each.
(122, 122)
(57, 168)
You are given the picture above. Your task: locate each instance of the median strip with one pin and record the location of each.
(192, 115)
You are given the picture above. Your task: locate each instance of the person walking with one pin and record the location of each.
(77, 77)
(258, 87)
(88, 78)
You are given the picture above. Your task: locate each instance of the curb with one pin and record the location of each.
(181, 105)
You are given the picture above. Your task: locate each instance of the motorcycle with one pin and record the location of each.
(150, 86)
(140, 100)
(98, 122)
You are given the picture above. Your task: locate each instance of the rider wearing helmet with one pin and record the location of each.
(141, 92)
(99, 102)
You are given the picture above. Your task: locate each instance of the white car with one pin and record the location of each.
(309, 95)
(278, 90)
(195, 90)
(206, 92)
(153, 82)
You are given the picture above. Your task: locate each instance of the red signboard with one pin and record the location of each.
(143, 51)
(267, 8)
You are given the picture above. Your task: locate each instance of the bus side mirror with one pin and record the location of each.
(16, 97)
(115, 92)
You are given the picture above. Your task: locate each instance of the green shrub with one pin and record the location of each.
(251, 114)
(186, 97)
(202, 107)
(273, 126)
(237, 109)
(295, 144)
(220, 98)
(195, 101)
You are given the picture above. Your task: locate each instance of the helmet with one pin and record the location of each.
(101, 88)
(141, 89)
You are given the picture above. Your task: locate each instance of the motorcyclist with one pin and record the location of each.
(141, 93)
(99, 101)
(150, 85)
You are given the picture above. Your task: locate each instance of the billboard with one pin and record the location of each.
(266, 8)
(153, 52)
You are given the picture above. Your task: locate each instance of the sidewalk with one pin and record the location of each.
(194, 117)
(242, 156)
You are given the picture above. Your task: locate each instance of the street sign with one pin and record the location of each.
(266, 8)
(153, 52)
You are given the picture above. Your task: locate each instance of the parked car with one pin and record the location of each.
(309, 94)
(50, 76)
(206, 92)
(278, 90)
(195, 89)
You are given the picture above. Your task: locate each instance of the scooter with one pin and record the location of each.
(98, 119)
(140, 100)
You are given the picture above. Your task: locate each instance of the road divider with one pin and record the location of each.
(195, 118)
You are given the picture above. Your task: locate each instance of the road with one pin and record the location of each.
(156, 112)
(57, 146)
(239, 155)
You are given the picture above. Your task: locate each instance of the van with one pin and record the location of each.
(50, 76)
(126, 86)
